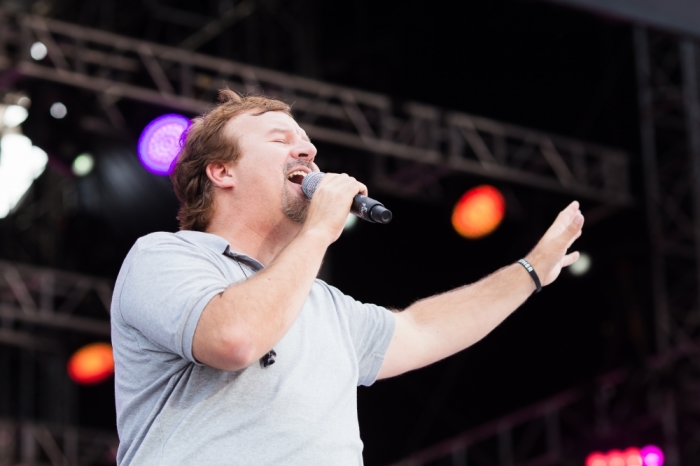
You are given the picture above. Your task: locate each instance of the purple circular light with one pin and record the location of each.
(159, 143)
(652, 456)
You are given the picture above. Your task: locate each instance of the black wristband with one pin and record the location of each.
(531, 270)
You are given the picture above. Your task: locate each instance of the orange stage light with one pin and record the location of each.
(91, 364)
(478, 212)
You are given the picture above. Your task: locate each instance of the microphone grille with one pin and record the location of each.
(310, 183)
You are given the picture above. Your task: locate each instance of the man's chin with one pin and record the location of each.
(295, 204)
(296, 211)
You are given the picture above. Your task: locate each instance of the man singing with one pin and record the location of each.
(228, 350)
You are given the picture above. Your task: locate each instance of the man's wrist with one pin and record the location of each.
(535, 279)
(316, 236)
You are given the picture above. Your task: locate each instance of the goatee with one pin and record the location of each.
(294, 207)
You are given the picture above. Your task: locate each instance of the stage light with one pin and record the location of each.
(615, 458)
(58, 111)
(581, 266)
(159, 143)
(350, 222)
(91, 364)
(20, 164)
(14, 115)
(596, 459)
(24, 101)
(478, 212)
(633, 457)
(38, 51)
(83, 164)
(647, 456)
(652, 456)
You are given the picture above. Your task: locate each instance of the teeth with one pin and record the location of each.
(301, 173)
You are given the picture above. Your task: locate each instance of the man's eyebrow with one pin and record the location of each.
(287, 131)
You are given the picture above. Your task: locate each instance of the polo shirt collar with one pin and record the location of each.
(219, 245)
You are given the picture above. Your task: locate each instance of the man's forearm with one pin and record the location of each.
(250, 317)
(450, 322)
(437, 327)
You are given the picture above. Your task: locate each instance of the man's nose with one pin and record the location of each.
(305, 151)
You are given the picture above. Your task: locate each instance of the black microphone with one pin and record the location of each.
(364, 207)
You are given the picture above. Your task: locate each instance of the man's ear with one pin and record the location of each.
(221, 175)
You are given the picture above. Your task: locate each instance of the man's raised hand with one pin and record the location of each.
(550, 254)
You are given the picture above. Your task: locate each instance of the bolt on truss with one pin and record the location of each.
(34, 443)
(120, 67)
(50, 299)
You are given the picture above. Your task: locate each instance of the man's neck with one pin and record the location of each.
(262, 241)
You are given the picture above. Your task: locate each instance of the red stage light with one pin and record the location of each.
(478, 212)
(632, 457)
(91, 364)
(647, 456)
(596, 459)
(615, 458)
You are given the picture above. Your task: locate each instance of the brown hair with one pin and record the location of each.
(205, 143)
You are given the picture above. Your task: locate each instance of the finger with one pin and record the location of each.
(569, 259)
(573, 228)
(363, 189)
(352, 184)
(338, 180)
(563, 219)
(572, 208)
(571, 241)
(327, 179)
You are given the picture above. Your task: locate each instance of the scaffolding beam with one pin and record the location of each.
(660, 401)
(123, 67)
(620, 404)
(34, 443)
(50, 299)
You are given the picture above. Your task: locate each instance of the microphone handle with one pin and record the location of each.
(370, 210)
(364, 207)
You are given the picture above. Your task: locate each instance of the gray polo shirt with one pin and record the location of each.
(172, 410)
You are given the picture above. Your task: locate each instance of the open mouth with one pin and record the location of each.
(296, 177)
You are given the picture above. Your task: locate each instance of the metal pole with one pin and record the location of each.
(459, 457)
(5, 386)
(505, 448)
(670, 428)
(553, 434)
(27, 379)
(651, 181)
(691, 101)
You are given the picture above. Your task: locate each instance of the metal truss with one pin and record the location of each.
(668, 72)
(32, 297)
(34, 444)
(670, 127)
(619, 410)
(117, 67)
(659, 403)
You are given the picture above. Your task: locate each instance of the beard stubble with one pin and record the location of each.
(294, 207)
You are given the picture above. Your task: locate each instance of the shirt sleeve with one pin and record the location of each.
(371, 330)
(166, 288)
